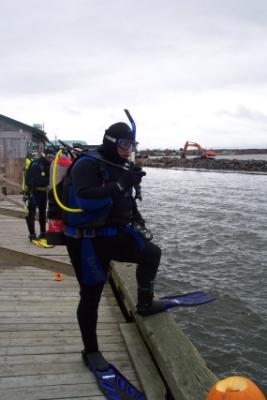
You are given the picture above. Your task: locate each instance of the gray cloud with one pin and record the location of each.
(153, 56)
(244, 113)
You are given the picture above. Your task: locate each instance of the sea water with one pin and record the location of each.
(212, 229)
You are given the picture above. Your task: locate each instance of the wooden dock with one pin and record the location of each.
(40, 341)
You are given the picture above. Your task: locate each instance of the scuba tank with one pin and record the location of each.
(55, 232)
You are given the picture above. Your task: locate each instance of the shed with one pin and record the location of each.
(16, 141)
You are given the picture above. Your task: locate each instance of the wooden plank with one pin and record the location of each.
(12, 212)
(56, 341)
(51, 392)
(104, 311)
(56, 304)
(52, 358)
(42, 368)
(9, 199)
(32, 327)
(54, 379)
(149, 377)
(45, 380)
(51, 302)
(59, 349)
(47, 320)
(24, 370)
(28, 295)
(37, 261)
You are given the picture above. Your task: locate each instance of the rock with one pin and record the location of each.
(200, 163)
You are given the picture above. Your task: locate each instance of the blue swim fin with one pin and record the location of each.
(115, 386)
(111, 382)
(188, 299)
(167, 302)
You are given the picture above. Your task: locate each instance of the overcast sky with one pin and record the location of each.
(186, 69)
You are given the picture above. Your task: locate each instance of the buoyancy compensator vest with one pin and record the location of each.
(93, 212)
(66, 209)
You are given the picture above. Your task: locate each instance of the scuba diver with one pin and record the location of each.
(102, 223)
(101, 184)
(35, 195)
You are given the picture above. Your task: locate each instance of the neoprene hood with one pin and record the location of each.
(120, 130)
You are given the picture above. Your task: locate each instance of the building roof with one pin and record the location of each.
(21, 125)
(71, 142)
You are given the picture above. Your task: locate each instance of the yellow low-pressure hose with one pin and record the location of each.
(54, 184)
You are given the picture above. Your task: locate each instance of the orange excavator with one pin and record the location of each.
(203, 153)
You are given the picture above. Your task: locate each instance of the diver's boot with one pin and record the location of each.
(95, 361)
(33, 237)
(146, 304)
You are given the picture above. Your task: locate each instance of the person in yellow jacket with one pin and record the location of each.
(28, 160)
(35, 194)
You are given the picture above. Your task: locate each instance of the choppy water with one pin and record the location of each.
(212, 228)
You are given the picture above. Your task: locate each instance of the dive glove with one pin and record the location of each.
(130, 178)
(146, 233)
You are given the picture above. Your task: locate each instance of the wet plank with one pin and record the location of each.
(40, 340)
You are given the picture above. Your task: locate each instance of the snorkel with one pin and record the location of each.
(130, 118)
(138, 194)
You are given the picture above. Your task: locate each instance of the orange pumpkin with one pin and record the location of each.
(235, 388)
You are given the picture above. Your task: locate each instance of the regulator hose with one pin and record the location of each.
(54, 184)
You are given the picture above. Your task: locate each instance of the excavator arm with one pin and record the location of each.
(204, 153)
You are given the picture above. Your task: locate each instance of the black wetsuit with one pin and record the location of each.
(37, 180)
(112, 240)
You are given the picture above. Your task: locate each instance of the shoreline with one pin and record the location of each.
(219, 165)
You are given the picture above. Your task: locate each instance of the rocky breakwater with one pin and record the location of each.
(202, 163)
